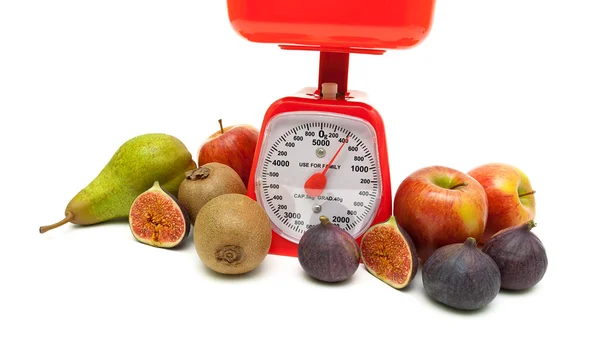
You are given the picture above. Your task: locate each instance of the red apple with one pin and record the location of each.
(439, 206)
(233, 146)
(511, 200)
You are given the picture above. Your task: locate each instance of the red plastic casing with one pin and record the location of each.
(335, 28)
(356, 104)
(333, 24)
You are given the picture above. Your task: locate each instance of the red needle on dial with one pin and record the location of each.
(316, 183)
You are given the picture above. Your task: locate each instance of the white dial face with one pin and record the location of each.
(299, 144)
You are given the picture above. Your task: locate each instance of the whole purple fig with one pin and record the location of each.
(461, 276)
(520, 256)
(328, 253)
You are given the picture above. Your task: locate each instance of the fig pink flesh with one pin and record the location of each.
(387, 255)
(161, 221)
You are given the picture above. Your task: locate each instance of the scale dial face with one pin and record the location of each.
(300, 144)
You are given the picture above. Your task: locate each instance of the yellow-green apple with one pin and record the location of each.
(439, 206)
(511, 199)
(233, 146)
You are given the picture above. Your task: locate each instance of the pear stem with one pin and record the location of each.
(221, 125)
(528, 193)
(67, 219)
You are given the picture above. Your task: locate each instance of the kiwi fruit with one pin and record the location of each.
(232, 234)
(206, 182)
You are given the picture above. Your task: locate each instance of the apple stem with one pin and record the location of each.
(528, 193)
(458, 186)
(221, 125)
(67, 219)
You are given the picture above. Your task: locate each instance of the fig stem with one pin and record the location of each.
(67, 219)
(324, 220)
(528, 193)
(458, 186)
(530, 225)
(221, 125)
(392, 219)
(471, 242)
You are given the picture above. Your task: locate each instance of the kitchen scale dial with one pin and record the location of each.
(340, 151)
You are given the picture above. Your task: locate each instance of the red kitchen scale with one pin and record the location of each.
(323, 150)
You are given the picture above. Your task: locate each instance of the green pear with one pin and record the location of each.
(134, 167)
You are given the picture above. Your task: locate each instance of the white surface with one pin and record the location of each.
(511, 81)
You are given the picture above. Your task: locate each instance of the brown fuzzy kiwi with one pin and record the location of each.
(232, 234)
(205, 183)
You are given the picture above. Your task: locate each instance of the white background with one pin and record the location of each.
(511, 81)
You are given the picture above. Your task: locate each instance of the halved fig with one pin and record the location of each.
(157, 218)
(389, 253)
